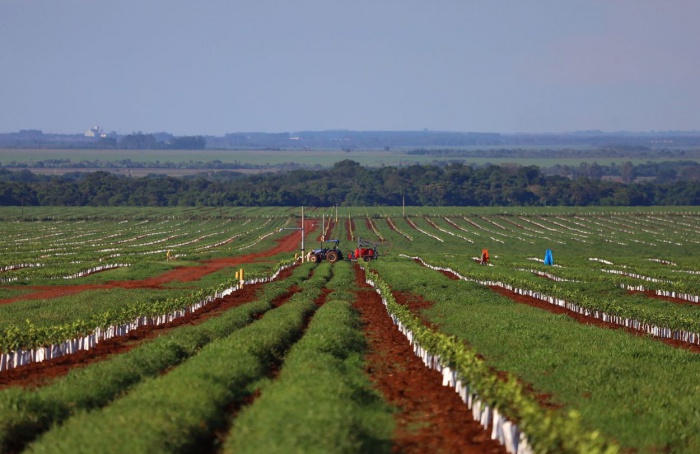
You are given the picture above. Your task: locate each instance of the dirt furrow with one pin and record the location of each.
(586, 320)
(37, 374)
(218, 438)
(431, 418)
(534, 302)
(289, 243)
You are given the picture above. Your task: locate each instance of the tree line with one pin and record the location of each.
(141, 141)
(347, 183)
(135, 141)
(426, 141)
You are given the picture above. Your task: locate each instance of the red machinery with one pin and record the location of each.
(365, 251)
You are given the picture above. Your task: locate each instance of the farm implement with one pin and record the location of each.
(365, 251)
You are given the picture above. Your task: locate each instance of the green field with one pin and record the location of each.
(276, 158)
(570, 385)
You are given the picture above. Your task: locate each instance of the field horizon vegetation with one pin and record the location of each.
(609, 381)
(189, 162)
(348, 183)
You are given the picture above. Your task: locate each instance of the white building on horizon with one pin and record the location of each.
(95, 131)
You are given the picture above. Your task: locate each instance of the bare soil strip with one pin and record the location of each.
(431, 418)
(218, 438)
(289, 243)
(38, 374)
(416, 304)
(389, 224)
(534, 302)
(652, 294)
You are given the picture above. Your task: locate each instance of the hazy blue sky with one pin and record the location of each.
(218, 66)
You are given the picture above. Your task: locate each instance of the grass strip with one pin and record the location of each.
(636, 391)
(322, 401)
(59, 340)
(594, 297)
(24, 414)
(180, 410)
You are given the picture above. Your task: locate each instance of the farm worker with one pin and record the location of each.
(548, 259)
(167, 255)
(484, 257)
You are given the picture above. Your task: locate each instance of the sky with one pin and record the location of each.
(213, 67)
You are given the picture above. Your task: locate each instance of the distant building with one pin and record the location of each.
(95, 131)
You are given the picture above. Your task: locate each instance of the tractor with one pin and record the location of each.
(366, 251)
(332, 254)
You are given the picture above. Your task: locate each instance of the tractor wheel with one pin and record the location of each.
(332, 256)
(315, 258)
(366, 258)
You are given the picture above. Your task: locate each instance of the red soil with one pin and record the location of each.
(534, 302)
(36, 374)
(411, 224)
(514, 224)
(417, 304)
(321, 299)
(273, 370)
(453, 224)
(389, 224)
(288, 243)
(330, 225)
(652, 294)
(431, 222)
(431, 418)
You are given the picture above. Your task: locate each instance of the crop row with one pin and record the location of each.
(577, 276)
(322, 400)
(26, 413)
(669, 326)
(510, 231)
(177, 391)
(180, 409)
(64, 253)
(186, 407)
(665, 293)
(517, 421)
(432, 223)
(35, 344)
(635, 391)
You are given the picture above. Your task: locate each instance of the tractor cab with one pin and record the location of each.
(331, 252)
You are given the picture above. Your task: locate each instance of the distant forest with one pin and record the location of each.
(345, 140)
(347, 183)
(32, 138)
